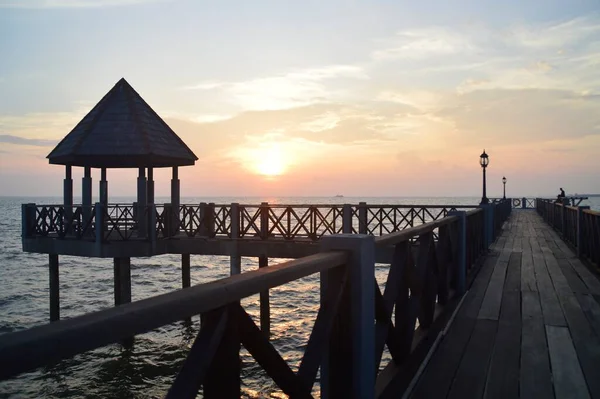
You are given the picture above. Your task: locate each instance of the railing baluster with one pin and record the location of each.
(223, 375)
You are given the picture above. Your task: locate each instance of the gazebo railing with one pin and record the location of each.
(123, 222)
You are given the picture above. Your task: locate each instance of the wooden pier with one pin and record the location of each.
(528, 327)
(480, 300)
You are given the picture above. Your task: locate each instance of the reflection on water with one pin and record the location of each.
(146, 369)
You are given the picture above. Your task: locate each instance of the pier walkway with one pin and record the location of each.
(528, 327)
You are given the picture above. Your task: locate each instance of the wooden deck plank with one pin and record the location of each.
(478, 289)
(561, 286)
(529, 327)
(490, 308)
(439, 374)
(551, 309)
(527, 272)
(566, 372)
(535, 379)
(518, 243)
(590, 280)
(503, 376)
(585, 341)
(577, 285)
(550, 304)
(472, 372)
(591, 309)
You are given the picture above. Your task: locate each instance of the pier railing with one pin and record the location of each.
(123, 222)
(355, 321)
(579, 226)
(517, 203)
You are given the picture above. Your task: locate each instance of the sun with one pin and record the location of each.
(269, 161)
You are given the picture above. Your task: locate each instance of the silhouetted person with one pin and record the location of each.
(561, 197)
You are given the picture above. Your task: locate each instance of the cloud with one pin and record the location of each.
(288, 90)
(71, 3)
(424, 43)
(9, 139)
(521, 115)
(554, 36)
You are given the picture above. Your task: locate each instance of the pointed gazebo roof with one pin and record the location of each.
(122, 131)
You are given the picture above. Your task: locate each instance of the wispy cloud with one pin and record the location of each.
(424, 43)
(10, 139)
(288, 90)
(71, 3)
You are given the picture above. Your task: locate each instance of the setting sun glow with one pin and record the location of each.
(271, 166)
(267, 159)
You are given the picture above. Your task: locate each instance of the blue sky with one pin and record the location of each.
(345, 96)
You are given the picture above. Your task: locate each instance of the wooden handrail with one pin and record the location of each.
(407, 234)
(25, 350)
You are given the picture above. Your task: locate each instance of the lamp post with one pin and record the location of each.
(504, 182)
(484, 161)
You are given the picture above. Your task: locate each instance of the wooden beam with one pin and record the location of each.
(265, 306)
(194, 369)
(267, 356)
(54, 288)
(223, 379)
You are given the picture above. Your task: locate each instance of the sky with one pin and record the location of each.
(315, 98)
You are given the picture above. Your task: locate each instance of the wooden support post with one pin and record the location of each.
(150, 187)
(223, 379)
(265, 306)
(210, 219)
(54, 288)
(185, 271)
(488, 225)
(175, 198)
(142, 216)
(68, 195)
(348, 363)
(264, 220)
(99, 219)
(202, 209)
(186, 279)
(235, 260)
(347, 219)
(461, 270)
(103, 187)
(580, 238)
(152, 227)
(563, 220)
(86, 194)
(122, 272)
(362, 218)
(28, 220)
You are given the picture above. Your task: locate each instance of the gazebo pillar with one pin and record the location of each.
(175, 198)
(150, 187)
(86, 193)
(103, 187)
(142, 203)
(68, 192)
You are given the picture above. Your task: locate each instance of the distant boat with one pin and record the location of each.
(339, 196)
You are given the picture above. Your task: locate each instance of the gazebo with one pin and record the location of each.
(121, 131)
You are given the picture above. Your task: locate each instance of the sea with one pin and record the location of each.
(147, 369)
